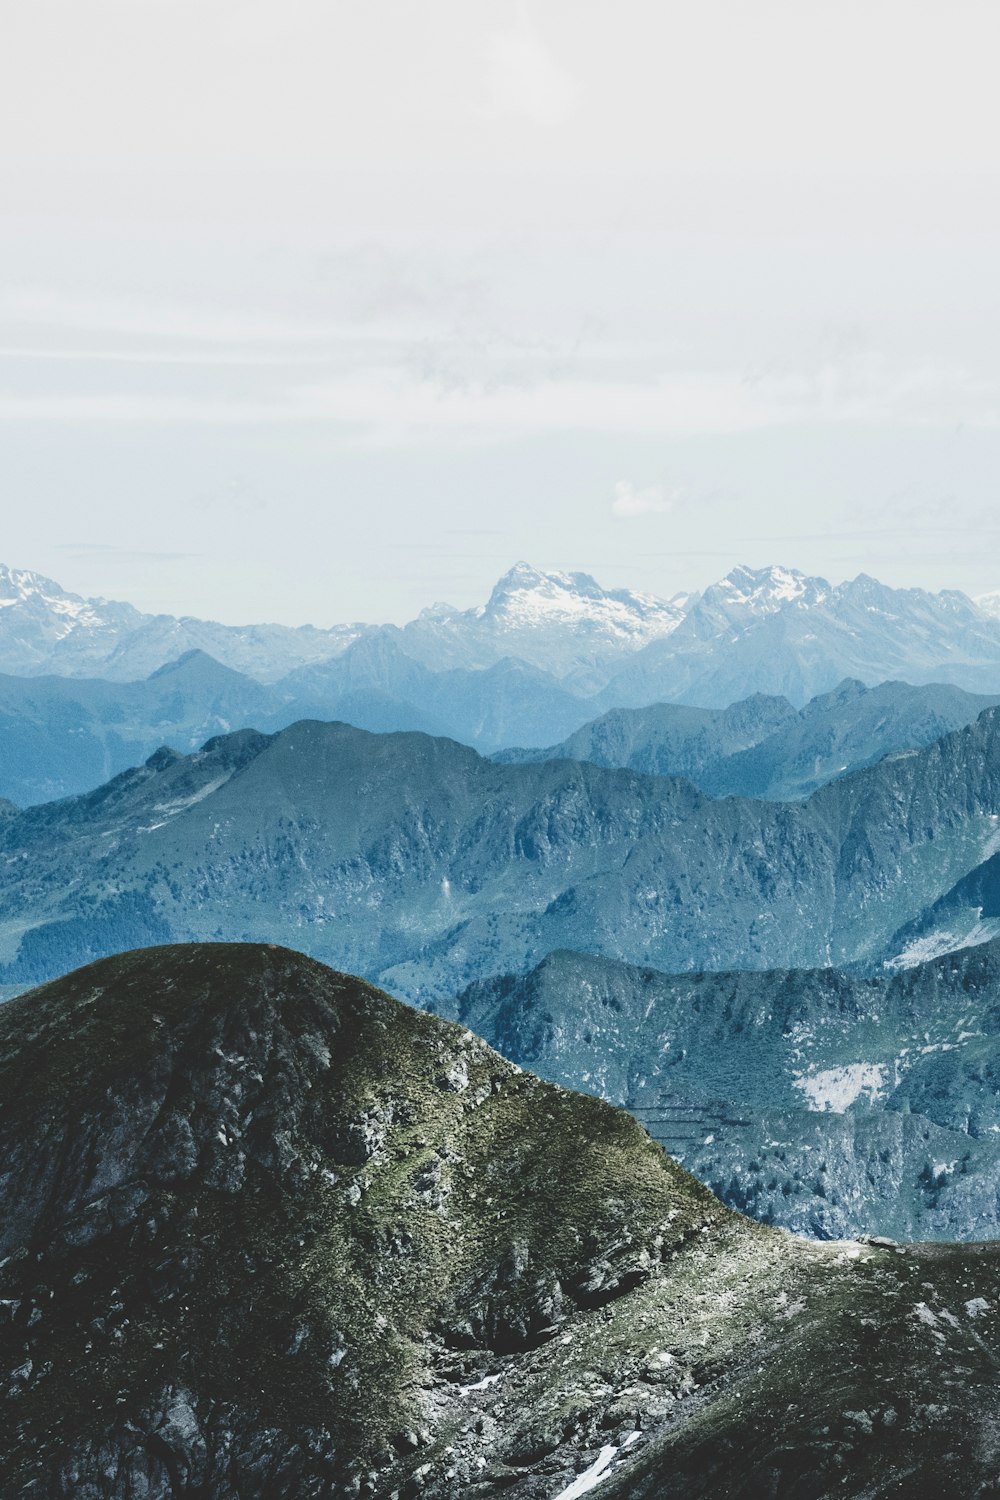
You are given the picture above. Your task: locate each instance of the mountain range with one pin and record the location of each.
(832, 1104)
(763, 747)
(265, 1232)
(770, 630)
(61, 735)
(414, 861)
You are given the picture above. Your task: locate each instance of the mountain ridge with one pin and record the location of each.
(269, 1232)
(829, 1103)
(414, 861)
(772, 630)
(762, 746)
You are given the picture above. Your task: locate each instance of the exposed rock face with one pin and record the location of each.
(831, 1104)
(268, 1234)
(417, 863)
(762, 747)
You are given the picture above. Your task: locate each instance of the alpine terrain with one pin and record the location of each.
(769, 630)
(268, 1233)
(417, 863)
(832, 1104)
(763, 747)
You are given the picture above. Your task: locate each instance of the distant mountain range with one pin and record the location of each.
(763, 747)
(830, 1104)
(561, 623)
(89, 687)
(60, 735)
(414, 860)
(43, 628)
(770, 630)
(63, 735)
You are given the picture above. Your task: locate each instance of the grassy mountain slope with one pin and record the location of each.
(830, 1104)
(268, 1233)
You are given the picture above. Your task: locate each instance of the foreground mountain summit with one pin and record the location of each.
(267, 1233)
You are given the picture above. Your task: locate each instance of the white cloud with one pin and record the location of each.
(629, 501)
(523, 79)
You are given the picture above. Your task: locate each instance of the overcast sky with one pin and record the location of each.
(325, 309)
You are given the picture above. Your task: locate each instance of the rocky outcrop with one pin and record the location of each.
(417, 863)
(828, 1103)
(269, 1234)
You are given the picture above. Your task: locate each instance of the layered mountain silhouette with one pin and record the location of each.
(414, 861)
(831, 1104)
(768, 630)
(45, 628)
(61, 735)
(763, 747)
(267, 1232)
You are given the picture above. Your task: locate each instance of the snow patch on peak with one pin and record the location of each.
(989, 604)
(834, 1090)
(763, 590)
(525, 598)
(41, 596)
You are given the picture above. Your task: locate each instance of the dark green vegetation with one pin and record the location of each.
(267, 1233)
(415, 862)
(763, 747)
(829, 1104)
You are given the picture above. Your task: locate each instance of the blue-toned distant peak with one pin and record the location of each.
(773, 629)
(525, 596)
(758, 591)
(34, 596)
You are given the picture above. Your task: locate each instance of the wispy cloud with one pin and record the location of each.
(390, 405)
(628, 501)
(121, 554)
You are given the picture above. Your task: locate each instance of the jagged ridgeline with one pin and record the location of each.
(761, 746)
(265, 1231)
(89, 687)
(826, 1102)
(420, 865)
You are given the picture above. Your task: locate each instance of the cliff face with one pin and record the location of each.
(415, 862)
(267, 1233)
(828, 1103)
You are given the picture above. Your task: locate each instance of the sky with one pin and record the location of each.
(315, 310)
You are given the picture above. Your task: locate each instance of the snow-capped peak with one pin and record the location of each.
(21, 588)
(525, 597)
(989, 604)
(763, 590)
